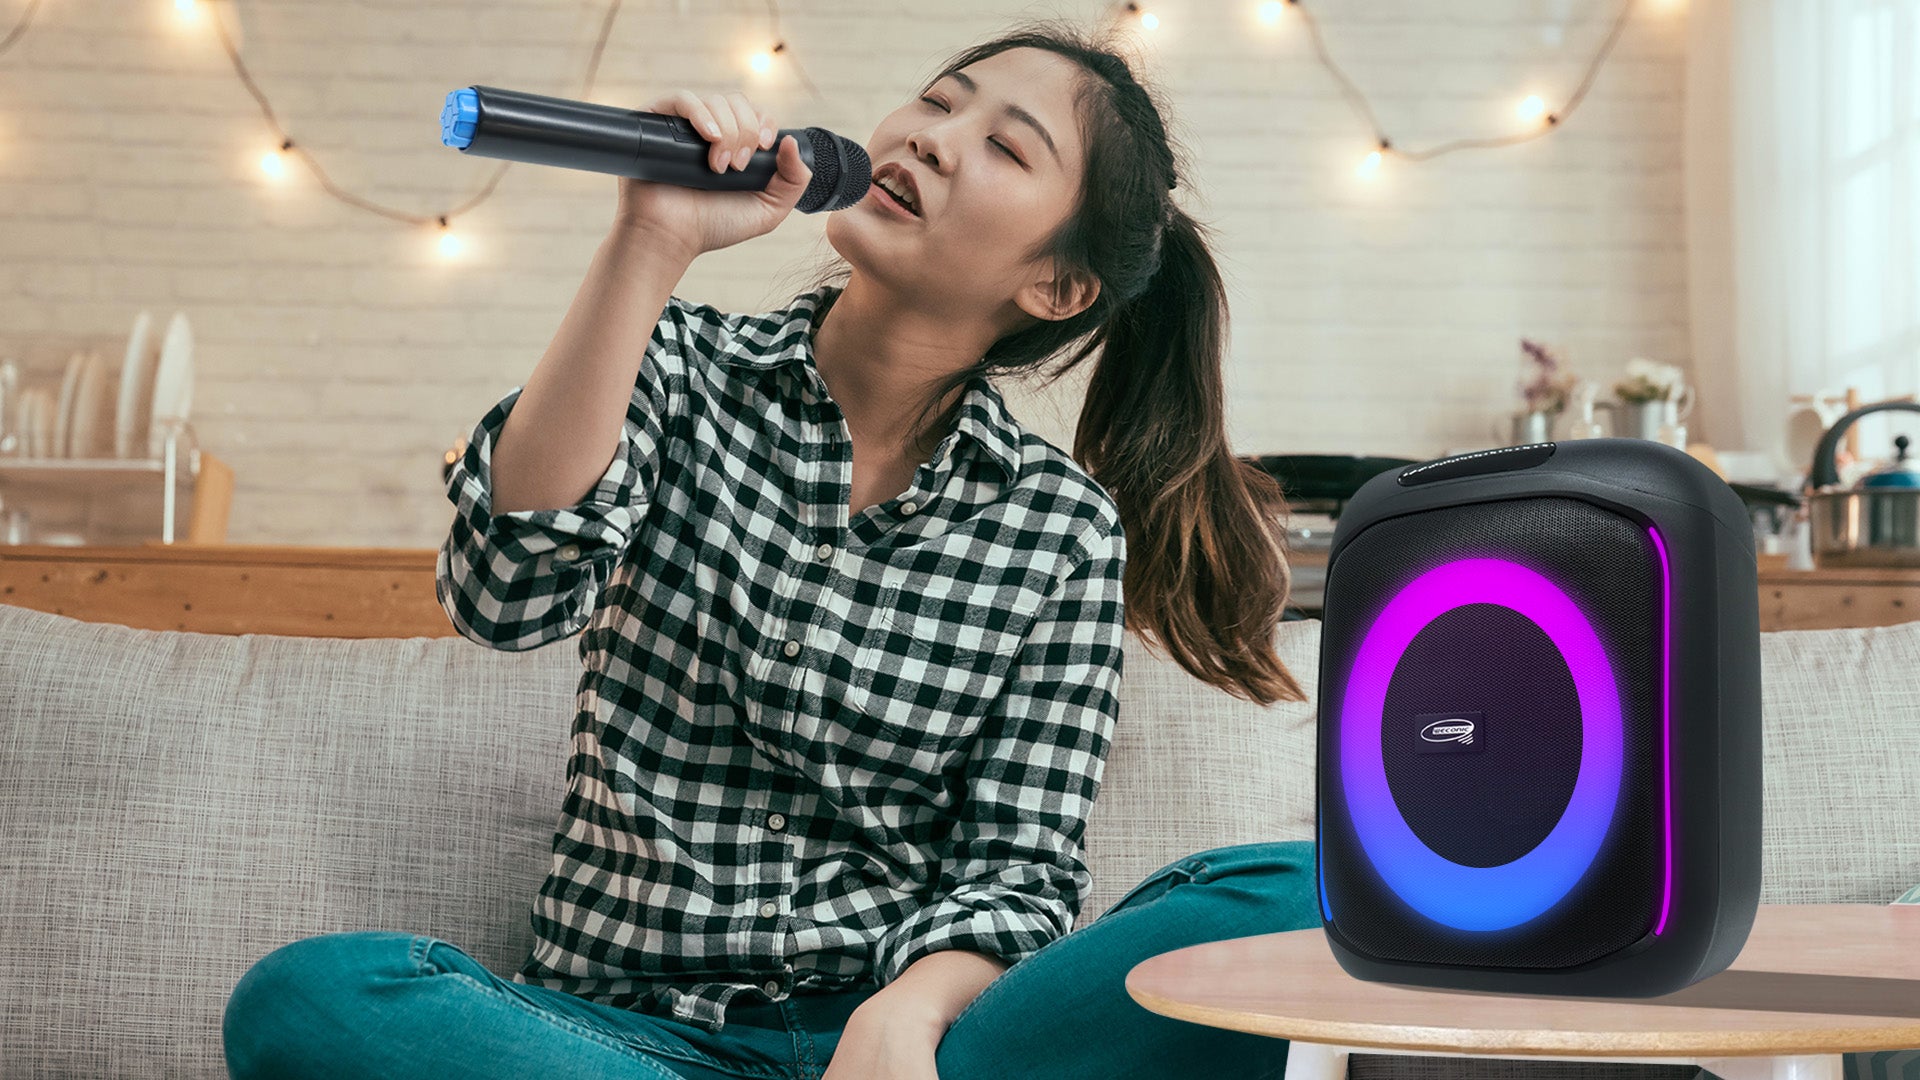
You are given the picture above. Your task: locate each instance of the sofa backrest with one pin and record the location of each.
(175, 805)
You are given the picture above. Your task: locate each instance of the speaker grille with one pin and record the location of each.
(1488, 802)
(1497, 801)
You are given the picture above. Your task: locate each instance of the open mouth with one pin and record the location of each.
(895, 193)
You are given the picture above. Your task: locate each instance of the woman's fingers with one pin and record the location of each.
(723, 146)
(686, 103)
(749, 121)
(733, 128)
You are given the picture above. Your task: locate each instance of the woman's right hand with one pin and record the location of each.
(702, 220)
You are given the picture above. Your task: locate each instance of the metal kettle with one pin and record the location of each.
(1877, 521)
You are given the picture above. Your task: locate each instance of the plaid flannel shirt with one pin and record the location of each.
(809, 748)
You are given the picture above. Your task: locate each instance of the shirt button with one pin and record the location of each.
(569, 551)
(908, 508)
(824, 551)
(793, 648)
(768, 909)
(776, 822)
(772, 988)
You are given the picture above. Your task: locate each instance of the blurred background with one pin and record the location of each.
(248, 297)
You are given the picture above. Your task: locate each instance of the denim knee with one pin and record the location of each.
(301, 990)
(1258, 882)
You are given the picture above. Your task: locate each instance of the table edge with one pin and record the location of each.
(1525, 1042)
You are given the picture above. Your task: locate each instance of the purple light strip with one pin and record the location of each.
(1666, 720)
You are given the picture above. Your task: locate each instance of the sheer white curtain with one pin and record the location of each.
(1802, 177)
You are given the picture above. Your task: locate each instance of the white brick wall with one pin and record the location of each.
(338, 356)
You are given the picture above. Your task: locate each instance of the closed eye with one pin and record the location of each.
(1003, 148)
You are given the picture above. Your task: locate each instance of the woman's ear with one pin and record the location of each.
(1059, 297)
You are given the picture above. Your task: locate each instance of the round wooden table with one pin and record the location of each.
(1813, 982)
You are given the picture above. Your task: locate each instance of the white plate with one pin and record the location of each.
(37, 428)
(136, 389)
(63, 417)
(172, 383)
(84, 434)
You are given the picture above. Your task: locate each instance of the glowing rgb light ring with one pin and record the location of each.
(1474, 897)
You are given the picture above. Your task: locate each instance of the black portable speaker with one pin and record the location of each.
(1539, 726)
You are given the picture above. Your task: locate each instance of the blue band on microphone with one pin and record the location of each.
(460, 116)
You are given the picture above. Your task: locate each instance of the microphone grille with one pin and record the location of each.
(841, 173)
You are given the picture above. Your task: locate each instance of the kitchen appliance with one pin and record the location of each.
(1876, 522)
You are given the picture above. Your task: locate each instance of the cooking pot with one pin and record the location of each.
(1877, 521)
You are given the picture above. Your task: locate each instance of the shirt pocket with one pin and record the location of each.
(930, 666)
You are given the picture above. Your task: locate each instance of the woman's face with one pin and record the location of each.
(994, 154)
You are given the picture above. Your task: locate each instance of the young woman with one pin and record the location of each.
(851, 636)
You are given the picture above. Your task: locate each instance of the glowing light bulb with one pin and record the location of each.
(1532, 108)
(188, 10)
(1149, 20)
(1368, 166)
(450, 245)
(274, 164)
(1271, 10)
(761, 62)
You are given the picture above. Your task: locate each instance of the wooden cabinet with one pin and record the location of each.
(388, 592)
(1821, 599)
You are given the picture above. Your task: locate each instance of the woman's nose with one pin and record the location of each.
(924, 147)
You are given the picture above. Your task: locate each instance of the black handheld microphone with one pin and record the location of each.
(490, 122)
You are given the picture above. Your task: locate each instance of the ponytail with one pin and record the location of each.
(1207, 576)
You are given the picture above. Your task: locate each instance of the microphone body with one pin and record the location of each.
(487, 121)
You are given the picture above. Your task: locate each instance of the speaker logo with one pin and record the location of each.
(1448, 733)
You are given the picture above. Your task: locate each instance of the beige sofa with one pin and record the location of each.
(174, 805)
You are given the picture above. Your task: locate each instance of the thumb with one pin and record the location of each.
(791, 175)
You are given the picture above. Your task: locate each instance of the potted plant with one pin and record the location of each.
(1654, 397)
(1544, 388)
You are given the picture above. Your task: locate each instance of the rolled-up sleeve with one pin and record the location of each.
(518, 580)
(1014, 871)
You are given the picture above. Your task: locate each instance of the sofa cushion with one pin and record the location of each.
(1193, 768)
(1842, 763)
(175, 805)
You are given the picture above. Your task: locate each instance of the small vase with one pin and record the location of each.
(1532, 427)
(1645, 419)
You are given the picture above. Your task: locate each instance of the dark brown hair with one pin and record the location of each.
(1207, 577)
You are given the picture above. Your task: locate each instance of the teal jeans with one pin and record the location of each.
(383, 1003)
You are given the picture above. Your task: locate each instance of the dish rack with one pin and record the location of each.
(179, 464)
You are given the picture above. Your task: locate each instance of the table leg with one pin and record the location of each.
(1315, 1061)
(1803, 1067)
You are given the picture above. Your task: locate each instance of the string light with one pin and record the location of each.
(273, 163)
(1532, 108)
(450, 245)
(1370, 164)
(762, 62)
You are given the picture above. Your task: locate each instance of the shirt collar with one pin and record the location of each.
(788, 337)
